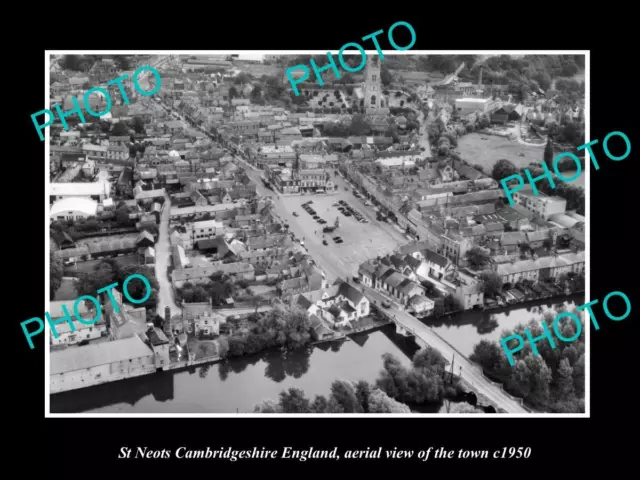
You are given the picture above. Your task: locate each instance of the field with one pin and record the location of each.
(413, 76)
(487, 152)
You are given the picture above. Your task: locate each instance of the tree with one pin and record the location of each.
(138, 125)
(223, 347)
(122, 215)
(345, 395)
(488, 355)
(359, 125)
(462, 407)
(484, 121)
(477, 257)
(548, 154)
(525, 247)
(385, 76)
(294, 401)
(363, 390)
(122, 62)
(491, 283)
(71, 62)
(120, 129)
(241, 78)
(319, 404)
(256, 92)
(431, 360)
(380, 402)
(267, 406)
(56, 272)
(502, 169)
(565, 380)
(233, 93)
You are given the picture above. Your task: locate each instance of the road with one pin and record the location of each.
(518, 134)
(470, 372)
(163, 255)
(424, 137)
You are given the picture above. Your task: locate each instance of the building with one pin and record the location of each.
(73, 208)
(98, 191)
(541, 205)
(81, 331)
(507, 113)
(206, 229)
(541, 268)
(455, 247)
(97, 363)
(314, 180)
(339, 304)
(372, 88)
(465, 106)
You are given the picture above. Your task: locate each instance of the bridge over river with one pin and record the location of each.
(471, 373)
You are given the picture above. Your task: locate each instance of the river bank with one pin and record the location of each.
(237, 384)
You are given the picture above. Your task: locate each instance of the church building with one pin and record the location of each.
(372, 90)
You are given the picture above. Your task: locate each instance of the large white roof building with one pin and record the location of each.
(73, 209)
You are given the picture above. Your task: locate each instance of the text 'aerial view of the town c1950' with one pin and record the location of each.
(347, 250)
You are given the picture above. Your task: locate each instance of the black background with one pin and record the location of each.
(89, 447)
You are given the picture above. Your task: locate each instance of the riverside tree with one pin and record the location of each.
(552, 380)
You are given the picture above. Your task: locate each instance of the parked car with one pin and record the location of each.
(295, 214)
(324, 242)
(386, 304)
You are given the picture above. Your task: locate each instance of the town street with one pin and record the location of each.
(163, 255)
(469, 372)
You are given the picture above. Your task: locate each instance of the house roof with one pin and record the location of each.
(85, 205)
(351, 293)
(93, 355)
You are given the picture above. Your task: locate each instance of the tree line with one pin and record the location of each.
(574, 194)
(552, 381)
(425, 382)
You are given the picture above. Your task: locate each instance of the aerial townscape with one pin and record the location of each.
(346, 250)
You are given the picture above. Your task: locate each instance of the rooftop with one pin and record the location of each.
(93, 355)
(85, 205)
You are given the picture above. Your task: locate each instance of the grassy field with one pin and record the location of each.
(414, 76)
(487, 152)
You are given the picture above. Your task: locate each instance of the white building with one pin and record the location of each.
(99, 190)
(465, 106)
(541, 204)
(338, 304)
(73, 209)
(82, 331)
(103, 362)
(396, 162)
(207, 229)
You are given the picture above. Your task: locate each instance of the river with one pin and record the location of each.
(237, 385)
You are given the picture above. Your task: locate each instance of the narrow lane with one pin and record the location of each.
(163, 254)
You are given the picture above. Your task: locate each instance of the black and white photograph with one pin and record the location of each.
(294, 234)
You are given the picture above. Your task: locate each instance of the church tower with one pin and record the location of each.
(373, 97)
